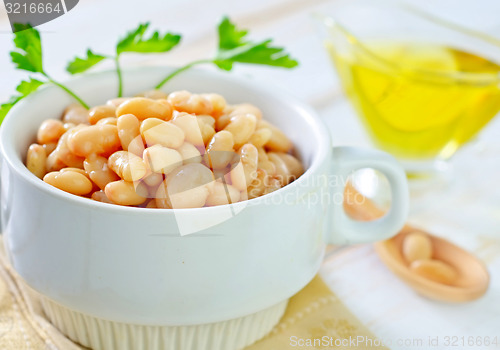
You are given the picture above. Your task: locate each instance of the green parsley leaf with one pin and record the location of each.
(6, 107)
(255, 53)
(27, 87)
(234, 48)
(28, 55)
(24, 88)
(129, 39)
(80, 65)
(134, 41)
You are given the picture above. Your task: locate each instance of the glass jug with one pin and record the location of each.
(422, 86)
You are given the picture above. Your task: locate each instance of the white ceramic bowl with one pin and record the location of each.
(131, 265)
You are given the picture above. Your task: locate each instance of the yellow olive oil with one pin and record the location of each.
(419, 101)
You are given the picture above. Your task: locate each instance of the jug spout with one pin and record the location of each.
(338, 38)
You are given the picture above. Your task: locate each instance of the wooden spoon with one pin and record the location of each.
(473, 277)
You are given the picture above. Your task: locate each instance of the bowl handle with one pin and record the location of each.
(345, 230)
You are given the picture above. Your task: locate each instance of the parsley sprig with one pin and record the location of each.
(134, 41)
(28, 57)
(24, 88)
(234, 47)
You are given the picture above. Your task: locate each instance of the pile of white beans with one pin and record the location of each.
(158, 150)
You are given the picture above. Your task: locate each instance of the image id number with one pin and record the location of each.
(18, 8)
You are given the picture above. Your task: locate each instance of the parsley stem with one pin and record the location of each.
(68, 91)
(120, 77)
(180, 70)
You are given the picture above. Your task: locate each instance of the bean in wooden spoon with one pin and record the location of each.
(434, 267)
